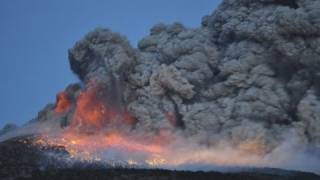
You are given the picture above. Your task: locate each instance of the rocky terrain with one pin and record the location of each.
(248, 77)
(20, 160)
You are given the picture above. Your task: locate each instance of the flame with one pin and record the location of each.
(151, 151)
(63, 103)
(96, 127)
(100, 131)
(94, 112)
(86, 147)
(89, 111)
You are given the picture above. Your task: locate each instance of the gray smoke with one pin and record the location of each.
(251, 72)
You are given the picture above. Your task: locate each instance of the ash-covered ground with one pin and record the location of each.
(248, 79)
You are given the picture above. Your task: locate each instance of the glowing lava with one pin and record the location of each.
(101, 132)
(97, 131)
(94, 113)
(157, 151)
(89, 113)
(63, 103)
(105, 147)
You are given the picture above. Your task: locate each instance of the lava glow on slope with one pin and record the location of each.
(112, 147)
(115, 148)
(99, 132)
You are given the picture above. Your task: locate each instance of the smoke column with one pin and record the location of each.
(240, 90)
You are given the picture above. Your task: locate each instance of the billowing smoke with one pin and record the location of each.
(242, 89)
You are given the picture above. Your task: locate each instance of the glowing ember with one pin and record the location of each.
(89, 111)
(135, 151)
(100, 132)
(95, 147)
(94, 113)
(63, 103)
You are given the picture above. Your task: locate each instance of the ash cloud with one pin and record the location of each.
(250, 73)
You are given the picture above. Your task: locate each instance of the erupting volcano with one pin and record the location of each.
(93, 111)
(242, 90)
(100, 131)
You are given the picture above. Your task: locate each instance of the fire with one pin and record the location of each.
(63, 103)
(156, 161)
(100, 132)
(89, 111)
(132, 162)
(90, 148)
(133, 150)
(94, 112)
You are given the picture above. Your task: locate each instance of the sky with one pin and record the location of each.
(35, 36)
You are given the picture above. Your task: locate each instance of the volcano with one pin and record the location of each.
(240, 91)
(21, 159)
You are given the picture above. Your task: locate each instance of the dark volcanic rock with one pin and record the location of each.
(143, 174)
(19, 157)
(20, 160)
